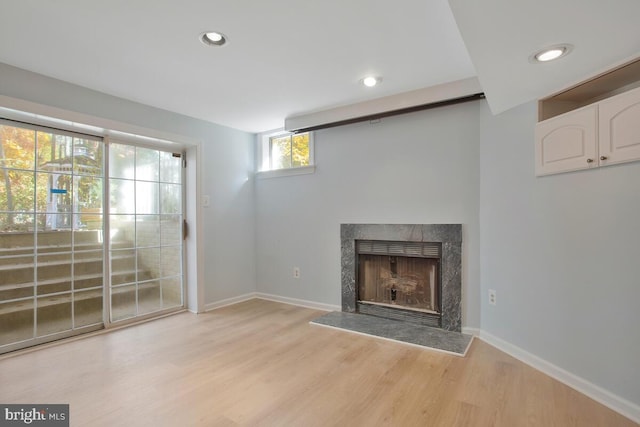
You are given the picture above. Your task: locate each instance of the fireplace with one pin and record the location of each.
(403, 272)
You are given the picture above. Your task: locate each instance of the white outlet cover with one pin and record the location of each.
(206, 201)
(492, 297)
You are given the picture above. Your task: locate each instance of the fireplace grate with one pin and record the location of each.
(408, 249)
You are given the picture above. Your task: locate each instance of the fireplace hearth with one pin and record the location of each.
(409, 272)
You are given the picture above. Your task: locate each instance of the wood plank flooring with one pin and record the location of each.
(260, 363)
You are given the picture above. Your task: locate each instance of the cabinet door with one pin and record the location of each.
(567, 142)
(619, 135)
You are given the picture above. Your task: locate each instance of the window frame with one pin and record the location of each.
(264, 156)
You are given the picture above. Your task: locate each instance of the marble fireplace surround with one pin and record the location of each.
(450, 235)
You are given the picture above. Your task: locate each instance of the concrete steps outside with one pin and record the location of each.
(54, 270)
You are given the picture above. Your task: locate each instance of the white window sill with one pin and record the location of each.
(277, 173)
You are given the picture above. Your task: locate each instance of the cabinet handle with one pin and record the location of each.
(603, 157)
(589, 160)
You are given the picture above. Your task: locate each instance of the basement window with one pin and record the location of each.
(285, 153)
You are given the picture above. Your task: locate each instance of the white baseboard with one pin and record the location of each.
(471, 331)
(269, 297)
(298, 302)
(608, 399)
(229, 301)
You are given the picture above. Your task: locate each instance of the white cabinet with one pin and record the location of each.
(619, 134)
(604, 133)
(567, 142)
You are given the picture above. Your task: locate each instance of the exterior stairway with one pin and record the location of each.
(67, 282)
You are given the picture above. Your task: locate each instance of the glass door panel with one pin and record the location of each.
(149, 297)
(145, 231)
(17, 234)
(123, 302)
(49, 248)
(171, 292)
(17, 320)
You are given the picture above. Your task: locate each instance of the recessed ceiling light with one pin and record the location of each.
(371, 81)
(550, 53)
(213, 38)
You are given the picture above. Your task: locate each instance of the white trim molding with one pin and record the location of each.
(471, 331)
(605, 397)
(47, 115)
(229, 301)
(269, 297)
(299, 302)
(277, 173)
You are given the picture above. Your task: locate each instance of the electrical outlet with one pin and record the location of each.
(492, 296)
(296, 272)
(206, 201)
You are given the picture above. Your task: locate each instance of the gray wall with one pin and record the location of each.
(227, 158)
(562, 251)
(227, 171)
(563, 254)
(418, 168)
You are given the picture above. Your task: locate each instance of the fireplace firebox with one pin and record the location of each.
(399, 280)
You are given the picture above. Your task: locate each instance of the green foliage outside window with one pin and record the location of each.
(33, 163)
(289, 151)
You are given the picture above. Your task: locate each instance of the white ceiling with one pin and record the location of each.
(289, 57)
(500, 36)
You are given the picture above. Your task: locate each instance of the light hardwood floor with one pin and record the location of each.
(261, 363)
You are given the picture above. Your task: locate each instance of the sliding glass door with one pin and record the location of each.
(51, 234)
(63, 249)
(145, 229)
